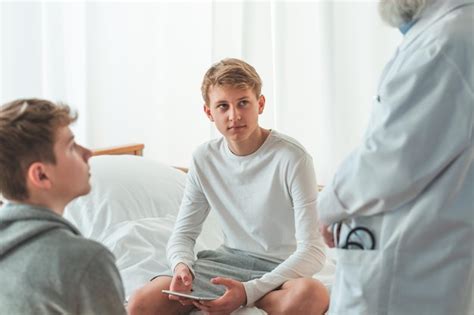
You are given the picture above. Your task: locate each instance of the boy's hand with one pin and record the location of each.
(233, 298)
(182, 282)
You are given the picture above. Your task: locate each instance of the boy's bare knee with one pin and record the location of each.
(148, 299)
(317, 294)
(309, 294)
(138, 303)
(297, 296)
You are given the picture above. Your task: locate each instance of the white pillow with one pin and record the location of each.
(131, 209)
(124, 188)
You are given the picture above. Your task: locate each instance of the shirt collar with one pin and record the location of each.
(404, 28)
(433, 12)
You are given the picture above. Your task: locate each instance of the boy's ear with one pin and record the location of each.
(261, 104)
(207, 110)
(37, 176)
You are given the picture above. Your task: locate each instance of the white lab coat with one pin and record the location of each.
(411, 181)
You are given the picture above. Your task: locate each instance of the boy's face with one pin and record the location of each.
(70, 175)
(234, 111)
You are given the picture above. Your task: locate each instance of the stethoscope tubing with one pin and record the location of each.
(348, 243)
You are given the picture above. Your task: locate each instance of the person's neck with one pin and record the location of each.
(45, 202)
(250, 145)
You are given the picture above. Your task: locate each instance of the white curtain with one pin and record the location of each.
(133, 70)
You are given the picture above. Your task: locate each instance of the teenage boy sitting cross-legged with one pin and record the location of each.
(262, 185)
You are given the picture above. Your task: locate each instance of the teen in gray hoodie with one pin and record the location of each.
(46, 267)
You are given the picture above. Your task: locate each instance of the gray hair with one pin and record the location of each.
(399, 12)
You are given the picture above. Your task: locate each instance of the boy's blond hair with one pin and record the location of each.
(27, 135)
(231, 72)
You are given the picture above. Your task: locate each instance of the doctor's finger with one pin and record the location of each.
(327, 233)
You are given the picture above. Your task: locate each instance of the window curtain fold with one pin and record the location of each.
(134, 70)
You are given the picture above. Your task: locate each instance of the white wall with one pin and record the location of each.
(145, 64)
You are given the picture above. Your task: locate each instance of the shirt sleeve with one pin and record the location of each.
(309, 256)
(420, 125)
(100, 289)
(192, 214)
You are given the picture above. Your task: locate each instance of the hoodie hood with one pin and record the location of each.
(20, 223)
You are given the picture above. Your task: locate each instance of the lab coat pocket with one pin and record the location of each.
(356, 288)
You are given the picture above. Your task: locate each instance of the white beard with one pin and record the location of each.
(399, 12)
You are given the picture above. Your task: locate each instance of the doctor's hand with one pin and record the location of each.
(326, 232)
(182, 282)
(233, 298)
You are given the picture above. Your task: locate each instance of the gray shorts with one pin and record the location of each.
(228, 263)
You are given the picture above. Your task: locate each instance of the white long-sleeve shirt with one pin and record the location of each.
(266, 205)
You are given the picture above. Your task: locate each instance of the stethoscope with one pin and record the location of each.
(353, 240)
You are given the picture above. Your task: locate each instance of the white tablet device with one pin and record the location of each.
(189, 296)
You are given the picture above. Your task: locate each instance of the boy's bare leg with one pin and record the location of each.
(297, 296)
(150, 300)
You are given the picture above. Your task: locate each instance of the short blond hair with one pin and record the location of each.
(27, 135)
(231, 72)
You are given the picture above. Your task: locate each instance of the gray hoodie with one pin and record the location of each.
(47, 267)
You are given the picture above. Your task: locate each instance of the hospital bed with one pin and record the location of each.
(131, 209)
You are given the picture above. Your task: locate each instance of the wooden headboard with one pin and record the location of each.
(130, 149)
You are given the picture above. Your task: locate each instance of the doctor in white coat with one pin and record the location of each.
(411, 180)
